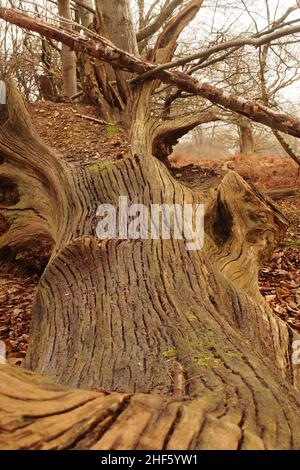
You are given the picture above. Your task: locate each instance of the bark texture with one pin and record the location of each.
(89, 70)
(37, 414)
(136, 318)
(247, 145)
(114, 22)
(68, 56)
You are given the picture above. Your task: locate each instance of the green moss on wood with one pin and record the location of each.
(170, 353)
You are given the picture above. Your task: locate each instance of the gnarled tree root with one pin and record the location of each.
(36, 414)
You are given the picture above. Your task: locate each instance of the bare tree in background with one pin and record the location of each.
(68, 57)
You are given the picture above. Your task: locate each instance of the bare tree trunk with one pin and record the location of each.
(68, 57)
(247, 144)
(116, 23)
(91, 84)
(122, 314)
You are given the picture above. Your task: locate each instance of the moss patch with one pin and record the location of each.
(112, 129)
(170, 353)
(101, 166)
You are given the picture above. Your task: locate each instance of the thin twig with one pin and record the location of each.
(90, 118)
(77, 95)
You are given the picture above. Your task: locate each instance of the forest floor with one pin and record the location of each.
(84, 142)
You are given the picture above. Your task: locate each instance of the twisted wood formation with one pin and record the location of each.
(120, 315)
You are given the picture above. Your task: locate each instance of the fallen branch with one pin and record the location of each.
(90, 118)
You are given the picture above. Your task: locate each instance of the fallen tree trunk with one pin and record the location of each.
(37, 414)
(123, 315)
